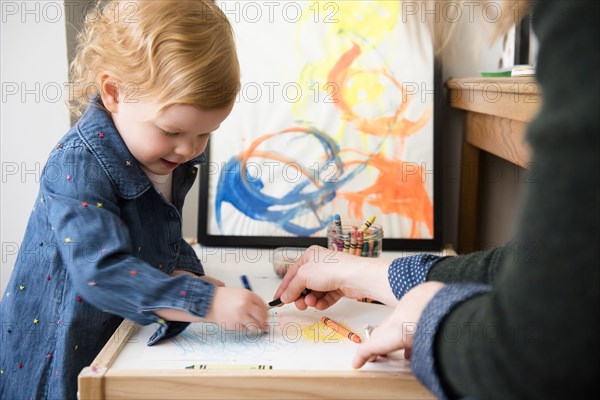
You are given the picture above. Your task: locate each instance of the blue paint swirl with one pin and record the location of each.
(245, 192)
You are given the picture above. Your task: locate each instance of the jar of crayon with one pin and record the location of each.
(363, 239)
(284, 258)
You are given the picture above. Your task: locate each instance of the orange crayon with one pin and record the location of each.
(340, 329)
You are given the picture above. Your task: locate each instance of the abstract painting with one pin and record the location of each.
(335, 115)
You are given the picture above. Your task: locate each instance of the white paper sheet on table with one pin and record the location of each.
(296, 341)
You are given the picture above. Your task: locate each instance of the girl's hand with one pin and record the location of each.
(238, 309)
(397, 331)
(212, 280)
(331, 275)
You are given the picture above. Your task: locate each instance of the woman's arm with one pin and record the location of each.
(535, 334)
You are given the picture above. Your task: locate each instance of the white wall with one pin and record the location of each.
(469, 52)
(33, 116)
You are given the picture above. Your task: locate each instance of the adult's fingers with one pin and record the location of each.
(294, 289)
(289, 275)
(384, 340)
(363, 353)
(329, 299)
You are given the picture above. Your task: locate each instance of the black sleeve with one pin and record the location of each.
(478, 267)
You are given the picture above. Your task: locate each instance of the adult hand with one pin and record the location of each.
(331, 275)
(396, 332)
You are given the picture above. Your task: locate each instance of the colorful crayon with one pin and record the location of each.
(353, 241)
(347, 243)
(375, 247)
(359, 243)
(332, 241)
(340, 243)
(338, 223)
(365, 249)
(367, 224)
(370, 251)
(369, 300)
(340, 329)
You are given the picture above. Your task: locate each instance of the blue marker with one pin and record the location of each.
(245, 282)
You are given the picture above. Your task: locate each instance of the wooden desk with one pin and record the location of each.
(497, 113)
(107, 378)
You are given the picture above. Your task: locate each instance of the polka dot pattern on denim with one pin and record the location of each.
(407, 272)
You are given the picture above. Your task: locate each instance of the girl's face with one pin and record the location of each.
(162, 141)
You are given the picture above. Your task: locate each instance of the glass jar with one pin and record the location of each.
(284, 258)
(355, 238)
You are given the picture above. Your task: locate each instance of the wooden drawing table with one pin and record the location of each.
(497, 113)
(119, 372)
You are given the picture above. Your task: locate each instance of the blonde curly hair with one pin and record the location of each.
(172, 52)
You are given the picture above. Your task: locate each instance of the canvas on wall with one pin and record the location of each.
(335, 116)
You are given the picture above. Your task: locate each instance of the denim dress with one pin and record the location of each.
(99, 246)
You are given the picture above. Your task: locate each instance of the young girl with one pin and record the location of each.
(104, 239)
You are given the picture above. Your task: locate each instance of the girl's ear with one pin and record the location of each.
(109, 94)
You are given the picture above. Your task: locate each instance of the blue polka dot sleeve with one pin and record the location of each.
(423, 356)
(407, 272)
